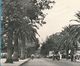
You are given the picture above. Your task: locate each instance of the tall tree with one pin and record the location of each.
(14, 15)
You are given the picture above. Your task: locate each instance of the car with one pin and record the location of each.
(3, 55)
(50, 54)
(77, 55)
(37, 56)
(56, 56)
(64, 55)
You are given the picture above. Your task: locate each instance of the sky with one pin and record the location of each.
(58, 17)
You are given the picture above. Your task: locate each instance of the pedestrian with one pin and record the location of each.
(60, 55)
(72, 54)
(32, 56)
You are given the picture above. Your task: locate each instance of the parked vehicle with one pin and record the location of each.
(56, 57)
(64, 55)
(50, 54)
(3, 55)
(77, 56)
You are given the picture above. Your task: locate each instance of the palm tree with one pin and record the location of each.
(70, 38)
(15, 25)
(32, 9)
(8, 30)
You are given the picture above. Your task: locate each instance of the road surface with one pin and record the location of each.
(49, 62)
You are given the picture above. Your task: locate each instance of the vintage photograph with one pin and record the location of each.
(39, 32)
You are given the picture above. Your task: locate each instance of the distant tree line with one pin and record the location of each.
(65, 40)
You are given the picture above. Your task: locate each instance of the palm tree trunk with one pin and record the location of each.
(9, 56)
(22, 53)
(16, 52)
(9, 48)
(67, 50)
(22, 56)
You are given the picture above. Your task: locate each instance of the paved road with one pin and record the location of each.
(48, 62)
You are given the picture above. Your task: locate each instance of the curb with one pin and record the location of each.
(24, 62)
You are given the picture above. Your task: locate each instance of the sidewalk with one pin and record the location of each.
(63, 60)
(18, 63)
